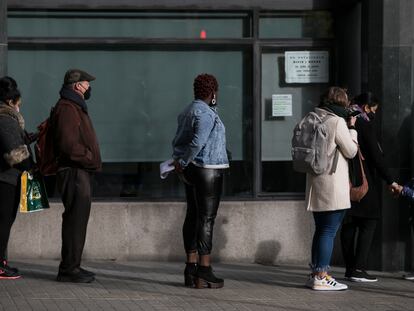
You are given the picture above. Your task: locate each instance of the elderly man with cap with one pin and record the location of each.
(78, 156)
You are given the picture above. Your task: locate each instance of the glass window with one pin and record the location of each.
(134, 106)
(128, 24)
(312, 24)
(277, 172)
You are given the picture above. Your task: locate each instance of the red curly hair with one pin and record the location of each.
(204, 85)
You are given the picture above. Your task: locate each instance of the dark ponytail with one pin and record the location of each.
(9, 90)
(367, 98)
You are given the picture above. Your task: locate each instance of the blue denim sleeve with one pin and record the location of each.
(202, 127)
(408, 193)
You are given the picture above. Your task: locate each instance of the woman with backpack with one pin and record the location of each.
(360, 221)
(15, 158)
(327, 194)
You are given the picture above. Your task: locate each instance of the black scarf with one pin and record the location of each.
(67, 92)
(339, 110)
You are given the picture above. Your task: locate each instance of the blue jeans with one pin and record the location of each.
(326, 226)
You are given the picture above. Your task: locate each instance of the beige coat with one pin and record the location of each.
(330, 191)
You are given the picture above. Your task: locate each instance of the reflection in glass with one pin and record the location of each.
(314, 24)
(134, 105)
(128, 24)
(277, 172)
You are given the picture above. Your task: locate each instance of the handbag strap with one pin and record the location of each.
(361, 158)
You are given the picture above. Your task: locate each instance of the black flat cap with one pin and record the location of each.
(77, 75)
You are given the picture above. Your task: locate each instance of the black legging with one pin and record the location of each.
(203, 188)
(9, 202)
(356, 251)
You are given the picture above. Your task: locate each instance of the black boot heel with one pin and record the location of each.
(200, 284)
(207, 279)
(190, 272)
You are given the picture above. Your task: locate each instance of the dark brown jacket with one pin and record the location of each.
(76, 144)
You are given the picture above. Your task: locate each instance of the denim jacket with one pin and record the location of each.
(408, 191)
(200, 137)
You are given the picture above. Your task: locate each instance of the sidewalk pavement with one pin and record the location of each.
(159, 286)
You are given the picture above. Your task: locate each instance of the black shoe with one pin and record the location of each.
(8, 273)
(190, 273)
(348, 273)
(6, 264)
(75, 277)
(206, 278)
(361, 276)
(86, 272)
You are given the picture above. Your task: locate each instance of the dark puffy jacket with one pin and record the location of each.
(14, 150)
(75, 141)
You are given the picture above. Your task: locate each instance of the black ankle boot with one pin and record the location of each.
(190, 273)
(207, 279)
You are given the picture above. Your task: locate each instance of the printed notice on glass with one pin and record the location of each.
(307, 67)
(282, 105)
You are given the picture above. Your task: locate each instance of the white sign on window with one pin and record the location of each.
(307, 67)
(281, 105)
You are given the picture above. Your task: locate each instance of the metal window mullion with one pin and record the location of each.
(257, 180)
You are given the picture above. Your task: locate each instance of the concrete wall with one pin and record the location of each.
(389, 50)
(266, 232)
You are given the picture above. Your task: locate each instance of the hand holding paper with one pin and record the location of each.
(166, 167)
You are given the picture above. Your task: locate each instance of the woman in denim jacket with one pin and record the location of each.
(199, 151)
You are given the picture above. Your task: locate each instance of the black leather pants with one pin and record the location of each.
(203, 188)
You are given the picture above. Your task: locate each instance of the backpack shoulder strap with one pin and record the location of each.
(327, 117)
(311, 113)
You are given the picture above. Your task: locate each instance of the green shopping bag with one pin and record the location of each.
(33, 195)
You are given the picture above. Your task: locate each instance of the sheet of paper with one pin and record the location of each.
(281, 105)
(166, 167)
(307, 66)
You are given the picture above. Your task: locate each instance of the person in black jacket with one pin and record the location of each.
(15, 158)
(360, 222)
(407, 192)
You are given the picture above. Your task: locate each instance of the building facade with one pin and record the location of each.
(272, 59)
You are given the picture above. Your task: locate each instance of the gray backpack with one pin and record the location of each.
(310, 145)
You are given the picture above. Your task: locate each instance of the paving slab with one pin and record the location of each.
(155, 286)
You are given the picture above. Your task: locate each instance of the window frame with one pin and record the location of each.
(254, 44)
(282, 46)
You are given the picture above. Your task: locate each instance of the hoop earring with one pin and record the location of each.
(213, 101)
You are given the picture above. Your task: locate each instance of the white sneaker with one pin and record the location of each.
(327, 283)
(409, 277)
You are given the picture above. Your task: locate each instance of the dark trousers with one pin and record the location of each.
(9, 202)
(356, 237)
(75, 188)
(203, 189)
